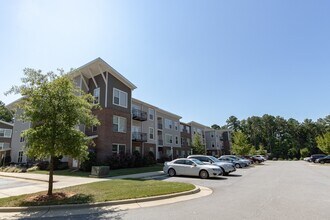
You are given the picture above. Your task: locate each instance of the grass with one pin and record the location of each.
(119, 172)
(99, 192)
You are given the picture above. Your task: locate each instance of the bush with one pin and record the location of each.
(274, 158)
(43, 165)
(13, 169)
(295, 159)
(280, 158)
(119, 161)
(91, 161)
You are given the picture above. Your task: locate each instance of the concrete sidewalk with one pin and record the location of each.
(25, 183)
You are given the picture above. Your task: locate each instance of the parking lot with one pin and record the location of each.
(275, 190)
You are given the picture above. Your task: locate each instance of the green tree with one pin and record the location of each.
(262, 150)
(253, 151)
(55, 107)
(5, 114)
(197, 145)
(323, 143)
(233, 123)
(241, 145)
(304, 152)
(215, 126)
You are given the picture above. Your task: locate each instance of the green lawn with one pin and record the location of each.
(100, 192)
(119, 172)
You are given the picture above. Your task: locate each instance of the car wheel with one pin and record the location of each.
(224, 172)
(322, 162)
(203, 174)
(171, 172)
(238, 165)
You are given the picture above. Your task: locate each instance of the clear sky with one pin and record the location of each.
(203, 60)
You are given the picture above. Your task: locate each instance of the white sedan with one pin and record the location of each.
(191, 167)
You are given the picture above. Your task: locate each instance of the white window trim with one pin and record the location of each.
(170, 125)
(168, 135)
(153, 133)
(117, 152)
(97, 101)
(113, 122)
(113, 97)
(153, 110)
(4, 130)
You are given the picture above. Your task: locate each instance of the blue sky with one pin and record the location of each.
(203, 60)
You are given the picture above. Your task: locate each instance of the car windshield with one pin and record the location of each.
(214, 159)
(198, 162)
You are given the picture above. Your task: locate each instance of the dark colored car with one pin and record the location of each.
(324, 159)
(317, 156)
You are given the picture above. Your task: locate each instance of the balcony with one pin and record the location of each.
(139, 137)
(4, 146)
(160, 142)
(160, 126)
(139, 115)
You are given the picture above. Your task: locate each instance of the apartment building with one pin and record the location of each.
(168, 134)
(198, 129)
(144, 123)
(113, 93)
(226, 139)
(6, 131)
(186, 140)
(214, 142)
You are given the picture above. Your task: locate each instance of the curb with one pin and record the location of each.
(26, 178)
(98, 204)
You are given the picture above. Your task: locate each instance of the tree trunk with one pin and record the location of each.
(50, 181)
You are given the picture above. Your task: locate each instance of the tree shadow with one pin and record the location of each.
(76, 213)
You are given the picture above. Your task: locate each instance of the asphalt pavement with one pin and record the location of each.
(276, 190)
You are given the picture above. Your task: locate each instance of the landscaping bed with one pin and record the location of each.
(98, 192)
(118, 172)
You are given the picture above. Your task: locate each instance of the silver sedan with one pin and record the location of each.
(191, 167)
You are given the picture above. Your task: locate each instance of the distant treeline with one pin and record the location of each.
(280, 137)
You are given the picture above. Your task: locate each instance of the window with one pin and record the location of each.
(176, 140)
(188, 141)
(151, 114)
(212, 144)
(168, 123)
(168, 139)
(188, 129)
(182, 141)
(138, 149)
(94, 129)
(2, 146)
(20, 157)
(119, 124)
(119, 98)
(96, 95)
(151, 133)
(5, 133)
(118, 148)
(180, 162)
(176, 126)
(22, 139)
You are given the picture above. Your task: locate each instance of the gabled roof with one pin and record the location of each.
(6, 123)
(96, 67)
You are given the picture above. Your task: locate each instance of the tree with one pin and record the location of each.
(55, 107)
(197, 145)
(233, 123)
(253, 151)
(262, 151)
(215, 126)
(241, 145)
(323, 143)
(5, 114)
(304, 152)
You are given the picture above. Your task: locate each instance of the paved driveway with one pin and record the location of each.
(277, 190)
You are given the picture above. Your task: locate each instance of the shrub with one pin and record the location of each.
(91, 161)
(295, 159)
(43, 165)
(280, 158)
(274, 158)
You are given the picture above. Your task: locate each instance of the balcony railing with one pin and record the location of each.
(139, 137)
(139, 115)
(4, 146)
